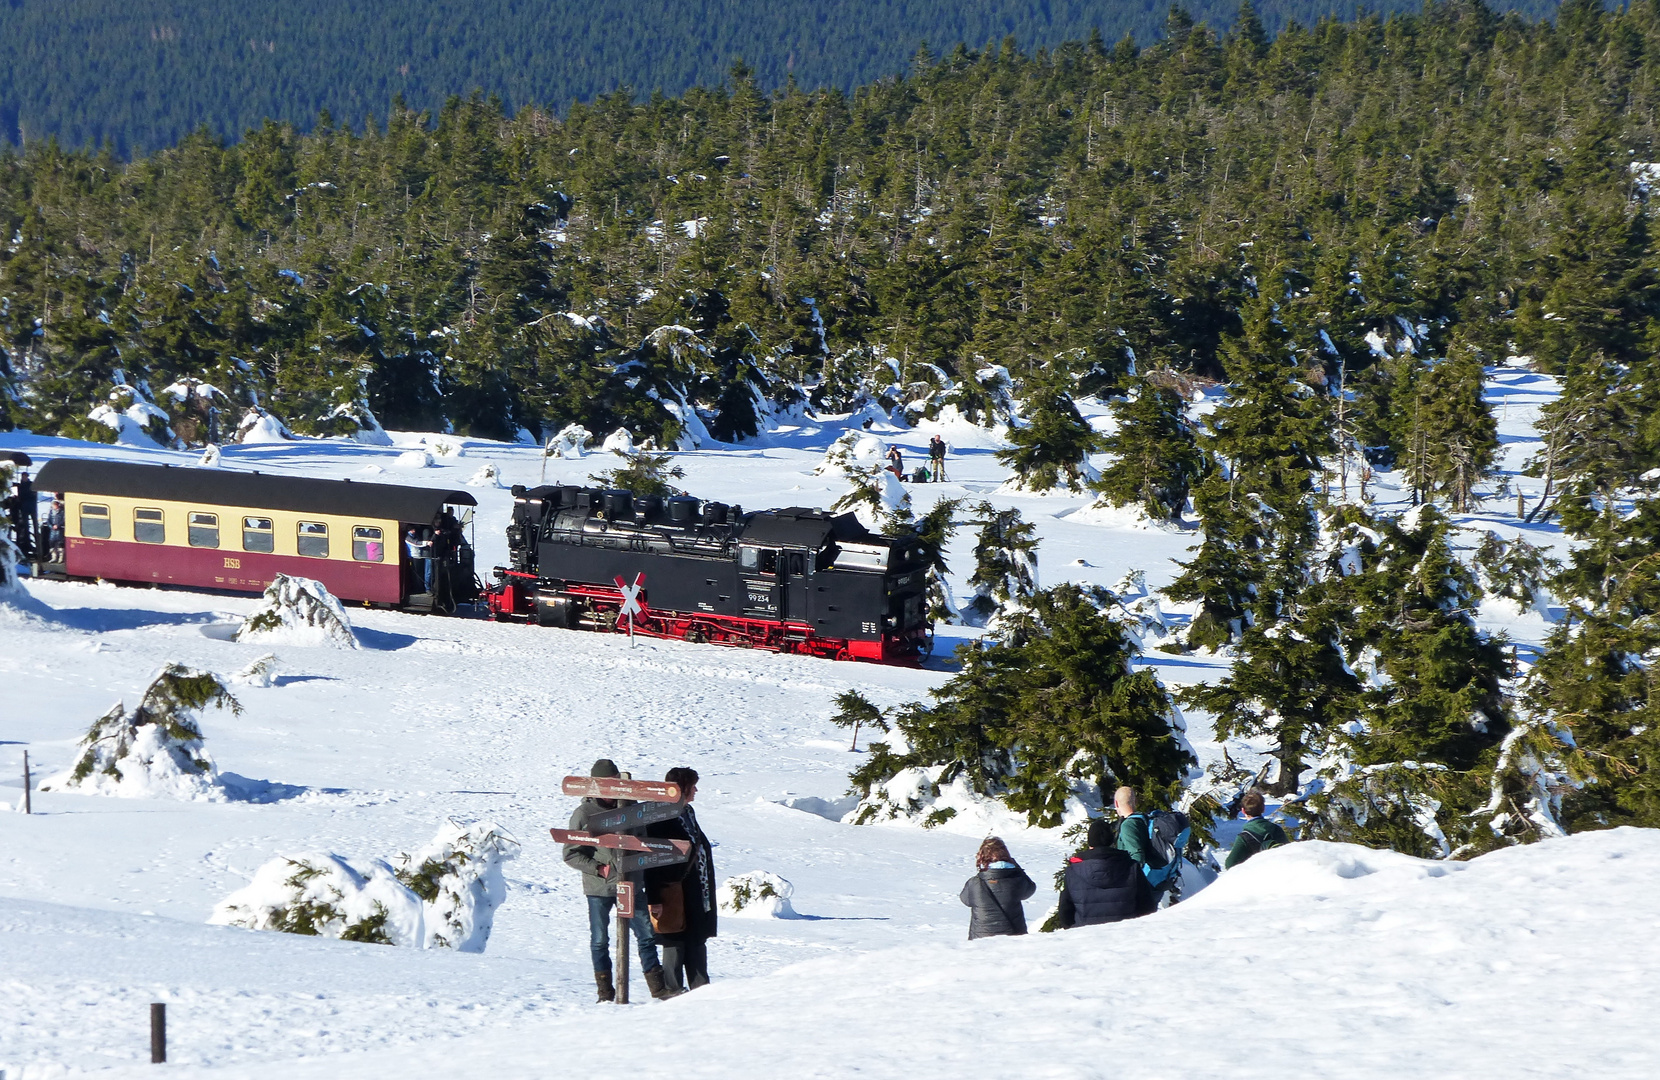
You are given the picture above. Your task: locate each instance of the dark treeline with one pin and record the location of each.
(1054, 215)
(142, 74)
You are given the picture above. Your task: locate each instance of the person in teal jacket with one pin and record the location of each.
(1132, 830)
(1259, 833)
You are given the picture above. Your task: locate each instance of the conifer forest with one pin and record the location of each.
(1341, 223)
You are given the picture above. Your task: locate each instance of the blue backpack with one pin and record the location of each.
(1167, 835)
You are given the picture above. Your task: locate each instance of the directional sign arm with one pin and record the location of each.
(621, 841)
(604, 787)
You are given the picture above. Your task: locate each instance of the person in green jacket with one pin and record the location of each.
(1132, 829)
(1259, 833)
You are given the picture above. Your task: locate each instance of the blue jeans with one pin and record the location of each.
(599, 932)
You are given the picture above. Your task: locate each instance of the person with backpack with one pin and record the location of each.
(994, 894)
(1259, 834)
(1103, 884)
(1154, 839)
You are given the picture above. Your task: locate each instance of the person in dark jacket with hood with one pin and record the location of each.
(599, 884)
(994, 894)
(1103, 884)
(682, 896)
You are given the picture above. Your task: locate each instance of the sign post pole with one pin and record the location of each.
(625, 911)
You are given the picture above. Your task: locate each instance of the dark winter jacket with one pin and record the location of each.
(1258, 835)
(695, 876)
(993, 896)
(589, 859)
(1103, 885)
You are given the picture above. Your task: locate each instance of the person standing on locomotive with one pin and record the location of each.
(599, 885)
(682, 897)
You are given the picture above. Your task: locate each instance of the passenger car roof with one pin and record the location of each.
(262, 491)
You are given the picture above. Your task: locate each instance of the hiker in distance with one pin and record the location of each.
(599, 885)
(1103, 884)
(1259, 834)
(993, 895)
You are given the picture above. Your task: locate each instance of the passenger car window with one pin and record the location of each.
(366, 544)
(148, 526)
(258, 536)
(95, 521)
(204, 530)
(314, 539)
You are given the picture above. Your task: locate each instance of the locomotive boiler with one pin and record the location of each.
(794, 580)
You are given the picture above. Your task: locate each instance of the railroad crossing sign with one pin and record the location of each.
(632, 605)
(616, 830)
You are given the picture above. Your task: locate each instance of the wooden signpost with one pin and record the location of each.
(643, 803)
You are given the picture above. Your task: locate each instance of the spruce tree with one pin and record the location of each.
(1155, 454)
(1454, 439)
(643, 473)
(1005, 562)
(1052, 442)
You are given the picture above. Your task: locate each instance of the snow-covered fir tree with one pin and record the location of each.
(642, 472)
(1005, 563)
(935, 529)
(156, 748)
(458, 876)
(1155, 452)
(1256, 505)
(1051, 442)
(298, 611)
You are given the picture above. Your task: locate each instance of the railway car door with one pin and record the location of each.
(758, 569)
(793, 567)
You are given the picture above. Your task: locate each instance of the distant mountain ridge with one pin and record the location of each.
(140, 74)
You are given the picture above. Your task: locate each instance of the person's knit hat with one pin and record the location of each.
(1101, 834)
(605, 767)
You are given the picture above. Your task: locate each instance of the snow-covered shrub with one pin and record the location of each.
(259, 426)
(155, 749)
(1138, 608)
(619, 442)
(572, 442)
(414, 459)
(875, 495)
(487, 476)
(298, 611)
(319, 894)
(755, 895)
(132, 420)
(210, 457)
(444, 896)
(444, 446)
(261, 672)
(458, 878)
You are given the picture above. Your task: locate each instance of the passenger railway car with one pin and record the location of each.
(234, 531)
(794, 580)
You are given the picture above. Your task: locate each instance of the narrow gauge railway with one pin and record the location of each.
(235, 531)
(794, 580)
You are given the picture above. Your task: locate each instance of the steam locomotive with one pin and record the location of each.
(793, 580)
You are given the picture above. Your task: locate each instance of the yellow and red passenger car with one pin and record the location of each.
(226, 530)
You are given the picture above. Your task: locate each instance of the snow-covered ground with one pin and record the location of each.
(1317, 959)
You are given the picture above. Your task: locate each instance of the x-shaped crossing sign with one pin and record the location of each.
(632, 605)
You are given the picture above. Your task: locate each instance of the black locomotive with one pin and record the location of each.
(794, 580)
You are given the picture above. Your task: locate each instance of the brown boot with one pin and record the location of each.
(607, 989)
(660, 990)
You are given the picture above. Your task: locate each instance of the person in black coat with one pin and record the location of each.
(1103, 884)
(994, 894)
(682, 896)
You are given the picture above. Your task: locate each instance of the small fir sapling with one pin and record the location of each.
(261, 673)
(643, 473)
(1005, 562)
(298, 611)
(874, 494)
(854, 710)
(156, 748)
(756, 895)
(1515, 570)
(319, 894)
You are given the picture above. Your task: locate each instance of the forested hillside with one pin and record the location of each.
(1345, 225)
(144, 73)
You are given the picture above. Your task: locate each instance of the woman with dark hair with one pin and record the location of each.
(995, 893)
(682, 896)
